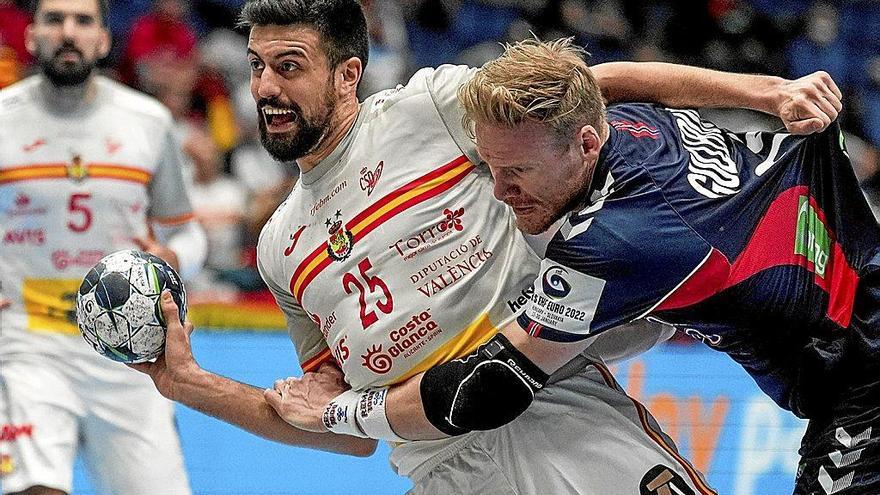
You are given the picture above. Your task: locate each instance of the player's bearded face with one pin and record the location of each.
(68, 38)
(305, 130)
(66, 65)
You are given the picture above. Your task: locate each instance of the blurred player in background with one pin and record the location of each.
(87, 167)
(390, 257)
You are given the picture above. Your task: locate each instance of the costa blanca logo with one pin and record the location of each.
(369, 178)
(377, 361)
(554, 283)
(341, 239)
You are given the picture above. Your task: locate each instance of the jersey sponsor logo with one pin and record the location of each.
(23, 206)
(338, 188)
(341, 352)
(377, 361)
(294, 239)
(34, 146)
(11, 432)
(451, 268)
(711, 170)
(661, 480)
(112, 145)
(7, 466)
(341, 239)
(369, 178)
(637, 129)
(415, 244)
(405, 342)
(516, 305)
(811, 237)
(50, 303)
(33, 237)
(554, 284)
(327, 325)
(63, 259)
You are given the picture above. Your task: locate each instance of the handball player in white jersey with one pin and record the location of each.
(390, 257)
(85, 165)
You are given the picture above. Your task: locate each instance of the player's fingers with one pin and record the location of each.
(832, 86)
(273, 398)
(172, 316)
(4, 303)
(826, 108)
(833, 99)
(806, 126)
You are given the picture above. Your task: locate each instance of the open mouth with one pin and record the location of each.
(279, 119)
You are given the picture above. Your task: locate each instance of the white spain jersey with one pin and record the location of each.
(74, 188)
(391, 255)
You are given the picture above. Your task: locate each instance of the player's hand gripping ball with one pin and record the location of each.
(117, 306)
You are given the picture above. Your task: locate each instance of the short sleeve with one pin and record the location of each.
(168, 196)
(443, 84)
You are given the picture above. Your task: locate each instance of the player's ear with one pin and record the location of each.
(105, 43)
(590, 141)
(348, 75)
(30, 40)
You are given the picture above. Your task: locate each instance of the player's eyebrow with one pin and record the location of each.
(294, 52)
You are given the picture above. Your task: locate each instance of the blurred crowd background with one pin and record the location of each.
(190, 56)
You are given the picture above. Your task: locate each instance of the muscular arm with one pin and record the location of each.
(178, 377)
(805, 105)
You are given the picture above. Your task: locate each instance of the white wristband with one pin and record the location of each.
(360, 414)
(371, 416)
(339, 415)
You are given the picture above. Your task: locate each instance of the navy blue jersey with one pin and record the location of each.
(754, 243)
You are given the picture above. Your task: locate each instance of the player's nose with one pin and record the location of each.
(268, 86)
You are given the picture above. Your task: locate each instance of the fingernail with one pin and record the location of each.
(166, 295)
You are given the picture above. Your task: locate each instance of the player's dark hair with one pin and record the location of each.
(340, 23)
(103, 9)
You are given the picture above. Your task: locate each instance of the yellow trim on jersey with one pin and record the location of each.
(465, 342)
(50, 304)
(39, 171)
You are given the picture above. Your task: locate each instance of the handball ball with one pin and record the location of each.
(118, 305)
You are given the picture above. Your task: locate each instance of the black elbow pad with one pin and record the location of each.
(482, 391)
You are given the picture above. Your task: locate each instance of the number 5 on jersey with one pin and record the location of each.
(373, 283)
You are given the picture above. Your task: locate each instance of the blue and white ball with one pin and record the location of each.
(117, 306)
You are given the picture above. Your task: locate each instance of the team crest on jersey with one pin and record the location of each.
(341, 239)
(76, 169)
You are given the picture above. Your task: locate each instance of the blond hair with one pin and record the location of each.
(540, 81)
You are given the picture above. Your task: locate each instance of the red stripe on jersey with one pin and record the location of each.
(773, 243)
